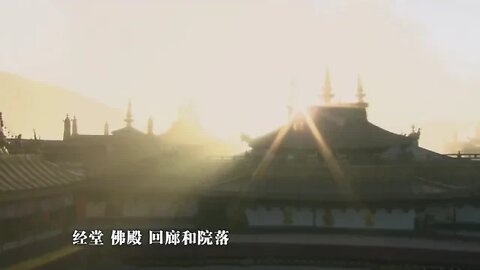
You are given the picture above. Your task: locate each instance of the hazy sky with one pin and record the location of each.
(419, 59)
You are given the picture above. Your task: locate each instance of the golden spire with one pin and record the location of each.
(129, 118)
(67, 133)
(360, 92)
(2, 135)
(327, 94)
(150, 126)
(3, 141)
(106, 129)
(74, 126)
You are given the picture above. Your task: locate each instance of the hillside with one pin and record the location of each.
(29, 105)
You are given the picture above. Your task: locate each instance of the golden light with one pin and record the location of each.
(332, 163)
(270, 154)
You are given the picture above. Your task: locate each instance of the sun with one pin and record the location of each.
(228, 116)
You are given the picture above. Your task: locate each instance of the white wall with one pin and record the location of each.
(187, 209)
(276, 216)
(301, 216)
(468, 213)
(146, 208)
(440, 213)
(136, 208)
(349, 218)
(95, 209)
(397, 219)
(161, 208)
(262, 216)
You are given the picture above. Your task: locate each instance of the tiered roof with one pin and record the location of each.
(364, 162)
(440, 179)
(28, 172)
(343, 127)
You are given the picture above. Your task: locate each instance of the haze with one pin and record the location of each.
(418, 60)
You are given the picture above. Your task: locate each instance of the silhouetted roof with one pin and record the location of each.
(314, 181)
(128, 131)
(26, 172)
(342, 127)
(328, 190)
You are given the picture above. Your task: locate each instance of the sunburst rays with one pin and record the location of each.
(322, 146)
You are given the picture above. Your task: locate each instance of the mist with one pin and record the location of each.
(237, 60)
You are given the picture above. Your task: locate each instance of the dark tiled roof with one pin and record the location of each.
(419, 180)
(330, 191)
(341, 127)
(27, 172)
(127, 131)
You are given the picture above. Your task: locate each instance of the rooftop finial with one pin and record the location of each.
(360, 92)
(3, 140)
(327, 94)
(74, 126)
(67, 128)
(2, 135)
(415, 134)
(150, 126)
(129, 118)
(106, 130)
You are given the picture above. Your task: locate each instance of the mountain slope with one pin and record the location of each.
(28, 105)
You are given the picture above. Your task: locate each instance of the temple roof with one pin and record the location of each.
(28, 172)
(127, 131)
(361, 183)
(300, 189)
(313, 180)
(343, 127)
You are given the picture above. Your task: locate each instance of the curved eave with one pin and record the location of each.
(353, 136)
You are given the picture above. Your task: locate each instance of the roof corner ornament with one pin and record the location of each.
(67, 133)
(415, 134)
